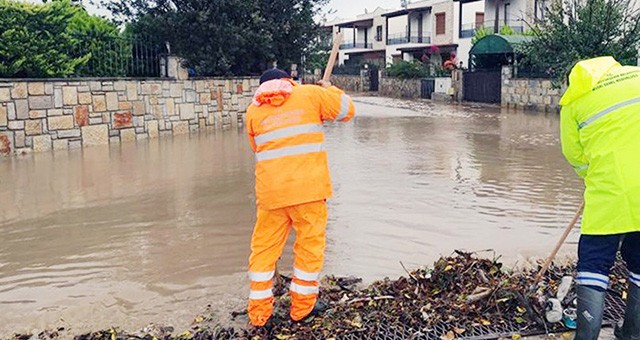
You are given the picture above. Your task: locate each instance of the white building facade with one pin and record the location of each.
(425, 30)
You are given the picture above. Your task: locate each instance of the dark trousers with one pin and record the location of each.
(597, 254)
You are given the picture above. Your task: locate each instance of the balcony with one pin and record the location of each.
(425, 39)
(469, 30)
(397, 39)
(352, 45)
(416, 38)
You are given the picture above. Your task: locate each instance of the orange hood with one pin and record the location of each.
(274, 92)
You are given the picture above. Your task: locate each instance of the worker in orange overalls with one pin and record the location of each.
(284, 124)
(451, 63)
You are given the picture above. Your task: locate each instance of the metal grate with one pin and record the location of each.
(122, 56)
(614, 311)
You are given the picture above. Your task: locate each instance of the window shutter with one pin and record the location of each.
(441, 24)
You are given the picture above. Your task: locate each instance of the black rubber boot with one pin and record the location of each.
(319, 308)
(630, 329)
(590, 312)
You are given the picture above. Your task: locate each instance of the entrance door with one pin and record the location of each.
(374, 78)
(484, 86)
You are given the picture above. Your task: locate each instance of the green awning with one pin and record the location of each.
(498, 44)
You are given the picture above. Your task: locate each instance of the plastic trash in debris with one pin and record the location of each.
(554, 311)
(565, 287)
(569, 317)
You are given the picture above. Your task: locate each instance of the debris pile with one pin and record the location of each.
(460, 296)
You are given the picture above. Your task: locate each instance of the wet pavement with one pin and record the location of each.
(155, 231)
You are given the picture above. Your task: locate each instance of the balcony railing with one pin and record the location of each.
(397, 39)
(469, 30)
(416, 38)
(421, 40)
(516, 25)
(351, 45)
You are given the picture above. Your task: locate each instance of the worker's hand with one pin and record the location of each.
(325, 84)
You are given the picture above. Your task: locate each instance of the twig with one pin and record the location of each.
(405, 269)
(375, 298)
(236, 314)
(485, 292)
(477, 252)
(345, 288)
(483, 276)
(498, 308)
(471, 267)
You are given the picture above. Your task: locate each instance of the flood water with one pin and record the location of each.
(155, 231)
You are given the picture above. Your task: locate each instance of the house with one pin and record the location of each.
(409, 32)
(363, 38)
(423, 30)
(513, 15)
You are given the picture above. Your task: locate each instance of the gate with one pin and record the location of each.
(484, 86)
(374, 78)
(427, 88)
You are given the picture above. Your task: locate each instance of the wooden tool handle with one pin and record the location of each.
(551, 257)
(337, 40)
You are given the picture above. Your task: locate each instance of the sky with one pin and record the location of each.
(345, 8)
(350, 8)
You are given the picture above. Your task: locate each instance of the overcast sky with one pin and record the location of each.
(351, 8)
(345, 8)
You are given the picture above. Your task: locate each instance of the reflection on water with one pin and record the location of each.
(156, 231)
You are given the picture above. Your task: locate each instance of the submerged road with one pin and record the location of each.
(155, 231)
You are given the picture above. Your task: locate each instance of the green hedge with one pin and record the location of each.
(415, 69)
(56, 39)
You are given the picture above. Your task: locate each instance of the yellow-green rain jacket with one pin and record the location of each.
(600, 121)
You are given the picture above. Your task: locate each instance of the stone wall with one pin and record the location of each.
(40, 115)
(349, 83)
(529, 94)
(390, 87)
(400, 88)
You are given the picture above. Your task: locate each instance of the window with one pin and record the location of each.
(379, 33)
(441, 23)
(479, 19)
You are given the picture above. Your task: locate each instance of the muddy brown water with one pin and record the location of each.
(153, 232)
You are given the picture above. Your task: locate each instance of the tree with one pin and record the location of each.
(109, 51)
(35, 40)
(481, 33)
(55, 39)
(317, 54)
(574, 30)
(226, 37)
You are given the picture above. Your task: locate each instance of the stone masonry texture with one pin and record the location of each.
(387, 87)
(529, 94)
(57, 114)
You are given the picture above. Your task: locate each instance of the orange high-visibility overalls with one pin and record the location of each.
(284, 125)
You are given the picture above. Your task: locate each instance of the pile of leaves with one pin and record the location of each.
(459, 297)
(460, 294)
